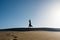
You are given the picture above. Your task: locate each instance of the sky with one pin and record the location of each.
(16, 13)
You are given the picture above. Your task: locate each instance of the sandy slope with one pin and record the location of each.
(29, 35)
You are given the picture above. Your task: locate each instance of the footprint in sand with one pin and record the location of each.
(14, 39)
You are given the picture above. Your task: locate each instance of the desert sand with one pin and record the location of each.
(29, 35)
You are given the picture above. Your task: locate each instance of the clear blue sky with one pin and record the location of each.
(16, 13)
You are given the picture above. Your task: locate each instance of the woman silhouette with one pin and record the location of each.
(30, 23)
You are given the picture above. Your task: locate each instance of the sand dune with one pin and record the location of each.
(29, 35)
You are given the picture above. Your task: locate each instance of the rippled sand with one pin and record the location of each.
(29, 35)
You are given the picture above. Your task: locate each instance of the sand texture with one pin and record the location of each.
(29, 35)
